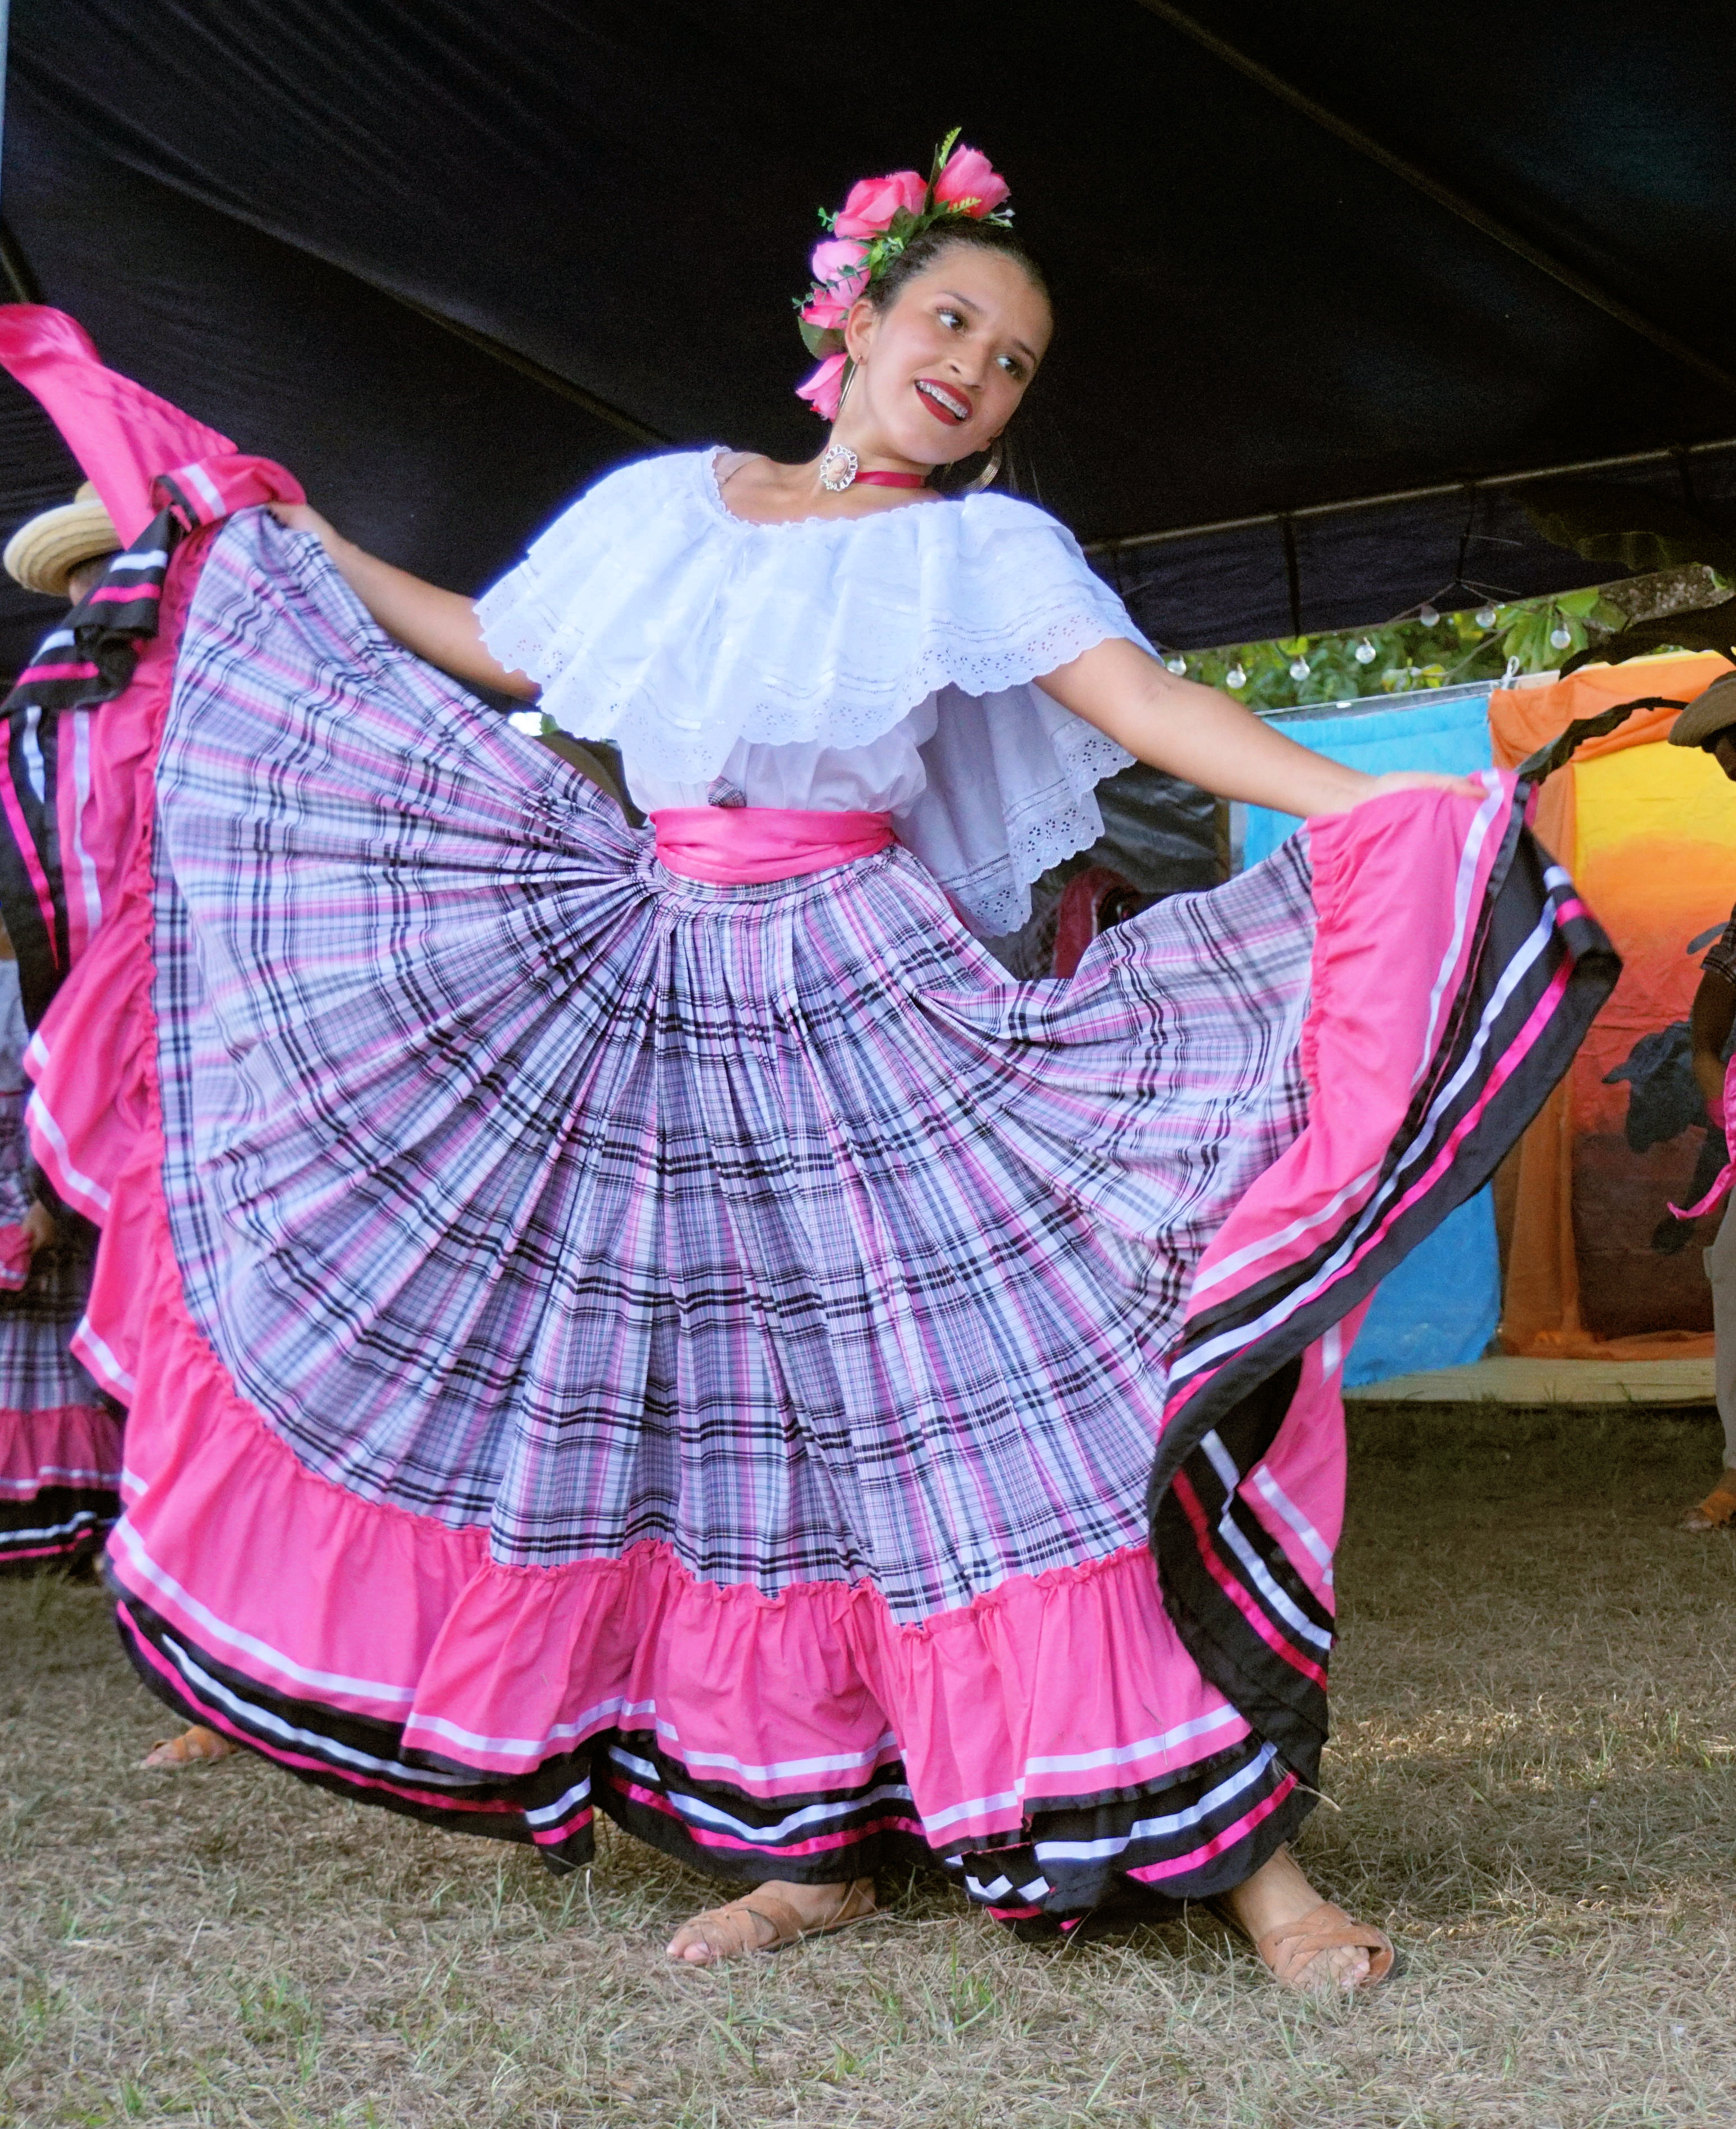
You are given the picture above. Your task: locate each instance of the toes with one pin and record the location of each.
(192, 1747)
(1345, 1968)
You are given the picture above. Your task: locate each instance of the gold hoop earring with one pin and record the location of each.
(989, 474)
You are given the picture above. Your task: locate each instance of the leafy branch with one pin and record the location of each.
(1491, 642)
(1686, 603)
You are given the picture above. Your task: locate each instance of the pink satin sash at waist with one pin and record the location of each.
(746, 845)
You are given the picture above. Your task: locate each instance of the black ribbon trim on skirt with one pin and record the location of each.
(59, 1524)
(353, 1755)
(1194, 1818)
(1037, 1893)
(552, 1806)
(86, 659)
(1243, 1612)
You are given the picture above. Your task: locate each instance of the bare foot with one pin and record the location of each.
(193, 1746)
(774, 1913)
(1278, 1893)
(1717, 1510)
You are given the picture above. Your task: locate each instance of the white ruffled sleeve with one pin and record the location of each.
(651, 617)
(527, 616)
(1010, 790)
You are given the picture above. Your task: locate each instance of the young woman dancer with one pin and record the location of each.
(665, 1322)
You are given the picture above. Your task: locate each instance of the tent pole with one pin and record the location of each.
(1455, 203)
(1292, 570)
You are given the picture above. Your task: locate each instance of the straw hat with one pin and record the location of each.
(1708, 714)
(45, 549)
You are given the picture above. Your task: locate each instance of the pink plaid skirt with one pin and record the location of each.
(732, 1355)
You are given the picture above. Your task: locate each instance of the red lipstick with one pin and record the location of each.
(945, 401)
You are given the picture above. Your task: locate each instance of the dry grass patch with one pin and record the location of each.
(1532, 1771)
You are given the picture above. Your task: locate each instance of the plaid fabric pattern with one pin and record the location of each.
(43, 1519)
(38, 1372)
(522, 1184)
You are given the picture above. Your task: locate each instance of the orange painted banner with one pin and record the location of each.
(1595, 1265)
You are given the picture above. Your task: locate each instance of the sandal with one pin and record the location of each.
(191, 1749)
(1716, 1511)
(1288, 1949)
(735, 1928)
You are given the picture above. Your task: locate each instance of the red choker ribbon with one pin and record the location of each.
(840, 469)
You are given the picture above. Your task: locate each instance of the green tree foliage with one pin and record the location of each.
(1636, 527)
(1527, 635)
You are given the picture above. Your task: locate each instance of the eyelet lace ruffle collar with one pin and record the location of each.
(652, 617)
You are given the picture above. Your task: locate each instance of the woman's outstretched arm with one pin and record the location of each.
(1204, 738)
(440, 627)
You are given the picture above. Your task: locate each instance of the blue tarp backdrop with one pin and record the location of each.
(1453, 735)
(1440, 1307)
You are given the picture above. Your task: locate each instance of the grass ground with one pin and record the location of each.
(1535, 1774)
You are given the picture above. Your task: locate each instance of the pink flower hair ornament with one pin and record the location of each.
(877, 221)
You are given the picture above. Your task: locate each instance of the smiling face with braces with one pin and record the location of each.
(940, 370)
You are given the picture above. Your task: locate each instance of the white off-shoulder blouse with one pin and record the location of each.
(882, 664)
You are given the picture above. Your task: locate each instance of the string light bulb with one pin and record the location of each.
(1235, 676)
(1365, 653)
(1485, 615)
(1177, 663)
(1561, 635)
(1300, 669)
(1427, 614)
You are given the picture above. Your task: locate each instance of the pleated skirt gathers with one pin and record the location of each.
(603, 1340)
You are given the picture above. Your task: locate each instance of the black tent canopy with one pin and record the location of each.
(449, 261)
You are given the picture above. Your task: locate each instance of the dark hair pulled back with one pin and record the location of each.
(923, 251)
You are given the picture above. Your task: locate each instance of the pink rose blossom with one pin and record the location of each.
(821, 390)
(873, 202)
(826, 310)
(969, 175)
(839, 264)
